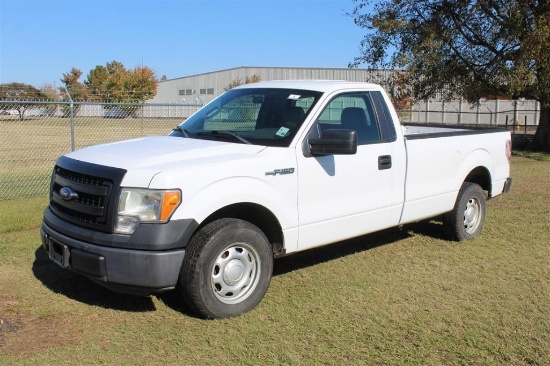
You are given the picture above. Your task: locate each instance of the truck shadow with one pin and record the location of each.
(81, 289)
(432, 228)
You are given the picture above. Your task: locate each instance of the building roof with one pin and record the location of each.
(272, 68)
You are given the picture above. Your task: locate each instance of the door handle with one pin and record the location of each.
(384, 162)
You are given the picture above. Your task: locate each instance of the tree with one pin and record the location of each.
(77, 91)
(114, 83)
(142, 82)
(469, 48)
(24, 94)
(238, 81)
(396, 85)
(51, 95)
(96, 83)
(49, 92)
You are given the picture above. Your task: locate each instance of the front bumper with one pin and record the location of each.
(111, 263)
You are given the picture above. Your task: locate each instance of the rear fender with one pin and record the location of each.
(482, 162)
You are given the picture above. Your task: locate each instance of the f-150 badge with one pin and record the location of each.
(280, 171)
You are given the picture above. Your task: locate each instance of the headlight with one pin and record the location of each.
(137, 205)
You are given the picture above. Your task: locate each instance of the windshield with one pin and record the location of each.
(260, 116)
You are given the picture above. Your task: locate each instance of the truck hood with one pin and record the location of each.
(145, 157)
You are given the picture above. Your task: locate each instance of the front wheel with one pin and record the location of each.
(227, 269)
(466, 219)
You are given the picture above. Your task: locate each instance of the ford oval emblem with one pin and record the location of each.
(68, 194)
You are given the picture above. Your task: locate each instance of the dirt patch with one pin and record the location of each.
(7, 326)
(27, 335)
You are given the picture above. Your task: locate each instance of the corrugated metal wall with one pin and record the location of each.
(169, 90)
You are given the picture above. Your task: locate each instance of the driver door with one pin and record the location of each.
(343, 196)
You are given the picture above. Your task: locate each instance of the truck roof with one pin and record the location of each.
(316, 85)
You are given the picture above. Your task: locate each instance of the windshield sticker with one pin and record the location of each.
(282, 132)
(293, 97)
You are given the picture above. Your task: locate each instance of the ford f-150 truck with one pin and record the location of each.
(262, 171)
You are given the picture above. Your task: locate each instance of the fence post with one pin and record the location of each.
(506, 123)
(536, 120)
(516, 122)
(460, 111)
(496, 112)
(477, 114)
(427, 110)
(443, 111)
(72, 118)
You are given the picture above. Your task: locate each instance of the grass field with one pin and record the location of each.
(400, 297)
(29, 148)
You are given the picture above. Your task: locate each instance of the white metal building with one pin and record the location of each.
(207, 86)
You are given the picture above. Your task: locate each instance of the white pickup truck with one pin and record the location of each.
(262, 171)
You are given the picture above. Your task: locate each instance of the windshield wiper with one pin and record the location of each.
(224, 134)
(182, 130)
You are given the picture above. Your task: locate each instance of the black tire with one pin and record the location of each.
(226, 270)
(466, 219)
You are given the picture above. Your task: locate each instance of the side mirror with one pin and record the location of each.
(334, 142)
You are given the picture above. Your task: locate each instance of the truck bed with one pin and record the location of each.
(422, 131)
(438, 159)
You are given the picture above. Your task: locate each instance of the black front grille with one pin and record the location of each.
(84, 193)
(89, 203)
(80, 178)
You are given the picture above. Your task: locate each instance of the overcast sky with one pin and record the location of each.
(42, 39)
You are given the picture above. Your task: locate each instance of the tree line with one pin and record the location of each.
(112, 83)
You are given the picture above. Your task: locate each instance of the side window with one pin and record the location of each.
(352, 112)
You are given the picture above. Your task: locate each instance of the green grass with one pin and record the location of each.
(29, 148)
(400, 297)
(539, 156)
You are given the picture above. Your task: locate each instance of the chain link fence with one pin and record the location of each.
(33, 134)
(521, 117)
(503, 113)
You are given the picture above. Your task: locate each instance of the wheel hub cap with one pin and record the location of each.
(471, 215)
(235, 273)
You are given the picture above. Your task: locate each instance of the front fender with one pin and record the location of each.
(281, 200)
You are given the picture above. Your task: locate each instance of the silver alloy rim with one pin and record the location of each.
(472, 215)
(235, 273)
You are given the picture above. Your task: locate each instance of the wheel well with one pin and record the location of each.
(482, 177)
(257, 215)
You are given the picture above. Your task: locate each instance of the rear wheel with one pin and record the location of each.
(227, 269)
(466, 219)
